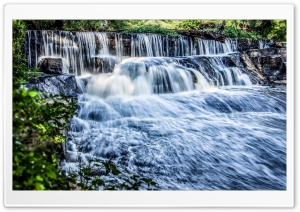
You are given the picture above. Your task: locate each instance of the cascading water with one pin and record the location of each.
(146, 76)
(82, 50)
(178, 112)
(212, 47)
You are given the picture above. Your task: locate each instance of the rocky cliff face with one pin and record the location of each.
(269, 64)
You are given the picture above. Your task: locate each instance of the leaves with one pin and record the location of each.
(232, 32)
(37, 127)
(90, 176)
(32, 93)
(152, 29)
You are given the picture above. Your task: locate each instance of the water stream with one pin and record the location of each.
(172, 110)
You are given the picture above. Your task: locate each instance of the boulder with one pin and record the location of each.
(53, 65)
(55, 84)
(105, 64)
(247, 44)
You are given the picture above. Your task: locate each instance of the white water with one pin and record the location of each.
(212, 47)
(191, 121)
(80, 49)
(262, 44)
(220, 139)
(142, 76)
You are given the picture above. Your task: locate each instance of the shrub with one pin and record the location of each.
(37, 126)
(231, 32)
(152, 29)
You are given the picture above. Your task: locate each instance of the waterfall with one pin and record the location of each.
(212, 47)
(177, 110)
(103, 43)
(81, 49)
(262, 44)
(29, 47)
(142, 76)
(158, 64)
(145, 76)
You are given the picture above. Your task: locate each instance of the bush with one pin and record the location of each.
(37, 126)
(278, 30)
(231, 32)
(37, 136)
(152, 29)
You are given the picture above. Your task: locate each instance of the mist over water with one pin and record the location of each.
(179, 115)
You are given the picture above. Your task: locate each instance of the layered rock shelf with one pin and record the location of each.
(62, 55)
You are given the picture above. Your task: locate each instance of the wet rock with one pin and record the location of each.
(228, 61)
(52, 65)
(55, 84)
(247, 44)
(282, 44)
(269, 62)
(105, 64)
(270, 65)
(247, 64)
(283, 69)
(268, 51)
(282, 52)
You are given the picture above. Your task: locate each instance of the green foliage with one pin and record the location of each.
(83, 25)
(19, 33)
(262, 27)
(119, 25)
(37, 126)
(78, 25)
(152, 29)
(19, 60)
(42, 24)
(192, 24)
(278, 30)
(33, 170)
(94, 175)
(231, 32)
(255, 29)
(37, 134)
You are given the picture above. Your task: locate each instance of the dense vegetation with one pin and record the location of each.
(38, 124)
(253, 29)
